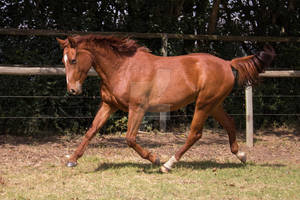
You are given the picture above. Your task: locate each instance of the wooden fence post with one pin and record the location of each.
(163, 115)
(249, 116)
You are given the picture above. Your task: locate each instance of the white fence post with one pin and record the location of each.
(249, 116)
(163, 115)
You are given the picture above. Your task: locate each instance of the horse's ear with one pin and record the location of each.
(72, 42)
(62, 43)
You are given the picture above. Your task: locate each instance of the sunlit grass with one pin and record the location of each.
(100, 178)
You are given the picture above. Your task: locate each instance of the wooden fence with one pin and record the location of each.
(21, 70)
(47, 70)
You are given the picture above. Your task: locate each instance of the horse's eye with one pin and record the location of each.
(73, 61)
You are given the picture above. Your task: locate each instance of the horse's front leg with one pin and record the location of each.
(101, 117)
(135, 117)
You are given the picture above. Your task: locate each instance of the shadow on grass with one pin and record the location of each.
(195, 165)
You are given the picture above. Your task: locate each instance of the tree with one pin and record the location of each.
(213, 17)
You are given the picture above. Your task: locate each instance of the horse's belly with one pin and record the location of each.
(171, 100)
(171, 90)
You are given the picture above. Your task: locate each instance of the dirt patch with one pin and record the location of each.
(270, 147)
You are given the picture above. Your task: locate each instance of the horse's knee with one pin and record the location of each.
(198, 132)
(90, 133)
(131, 141)
(196, 135)
(231, 123)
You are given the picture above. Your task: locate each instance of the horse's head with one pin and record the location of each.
(77, 64)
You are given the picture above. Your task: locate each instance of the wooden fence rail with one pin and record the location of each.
(60, 70)
(34, 70)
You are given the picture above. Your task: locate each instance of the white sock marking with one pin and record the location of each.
(170, 163)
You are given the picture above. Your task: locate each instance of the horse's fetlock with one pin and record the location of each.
(234, 151)
(131, 141)
(234, 148)
(198, 134)
(145, 155)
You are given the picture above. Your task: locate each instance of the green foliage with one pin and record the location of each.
(257, 17)
(116, 125)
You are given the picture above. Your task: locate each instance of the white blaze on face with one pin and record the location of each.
(66, 62)
(66, 58)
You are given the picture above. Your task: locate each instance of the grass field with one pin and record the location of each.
(34, 169)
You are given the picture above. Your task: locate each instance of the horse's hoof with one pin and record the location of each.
(71, 164)
(164, 170)
(242, 156)
(157, 161)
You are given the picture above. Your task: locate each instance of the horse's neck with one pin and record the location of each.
(106, 65)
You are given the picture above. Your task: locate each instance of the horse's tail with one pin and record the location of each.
(249, 67)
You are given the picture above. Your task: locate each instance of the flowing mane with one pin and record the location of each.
(122, 46)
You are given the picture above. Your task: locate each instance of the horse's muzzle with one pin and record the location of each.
(74, 92)
(75, 88)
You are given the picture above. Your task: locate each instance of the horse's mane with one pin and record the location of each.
(122, 46)
(249, 67)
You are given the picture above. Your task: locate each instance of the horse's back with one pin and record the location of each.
(198, 69)
(179, 80)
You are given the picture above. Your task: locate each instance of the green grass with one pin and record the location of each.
(99, 178)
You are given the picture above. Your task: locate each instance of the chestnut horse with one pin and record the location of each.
(136, 81)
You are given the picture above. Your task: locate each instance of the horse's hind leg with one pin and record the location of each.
(195, 134)
(227, 122)
(135, 117)
(101, 117)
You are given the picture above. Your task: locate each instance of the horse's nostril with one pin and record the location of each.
(72, 91)
(73, 61)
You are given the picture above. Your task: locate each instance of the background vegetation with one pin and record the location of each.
(46, 112)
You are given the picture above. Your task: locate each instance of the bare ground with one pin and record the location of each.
(280, 147)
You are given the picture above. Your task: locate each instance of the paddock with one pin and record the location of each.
(34, 168)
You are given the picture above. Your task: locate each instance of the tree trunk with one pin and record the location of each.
(214, 17)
